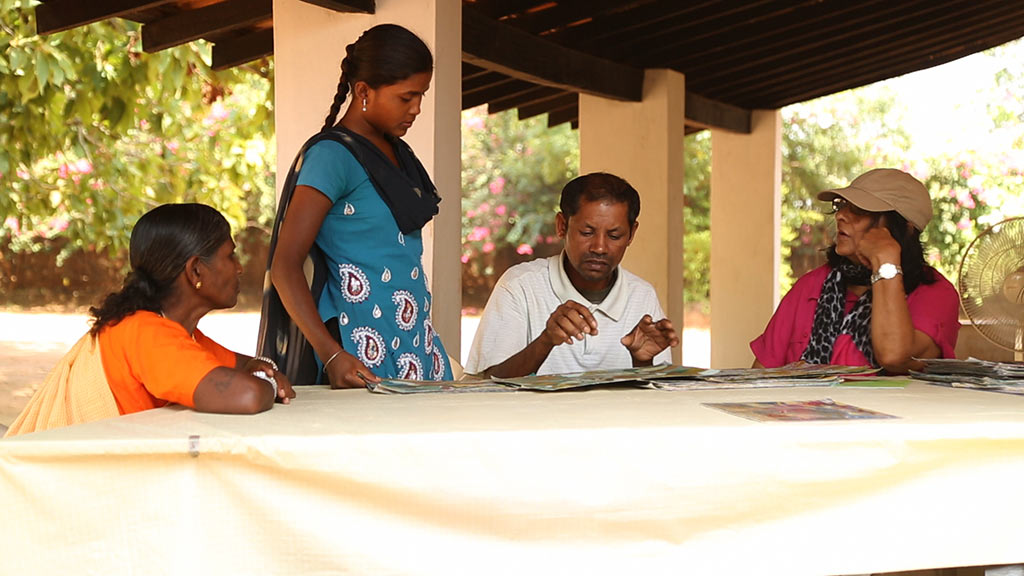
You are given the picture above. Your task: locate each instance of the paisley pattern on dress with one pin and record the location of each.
(437, 370)
(369, 346)
(410, 367)
(405, 309)
(355, 286)
(428, 336)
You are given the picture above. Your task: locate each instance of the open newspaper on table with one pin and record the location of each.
(794, 374)
(664, 377)
(973, 373)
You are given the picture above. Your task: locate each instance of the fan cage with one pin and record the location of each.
(988, 261)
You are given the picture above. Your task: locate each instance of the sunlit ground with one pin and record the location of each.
(31, 343)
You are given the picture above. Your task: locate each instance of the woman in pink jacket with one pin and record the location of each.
(876, 302)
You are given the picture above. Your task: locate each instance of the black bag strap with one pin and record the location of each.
(280, 338)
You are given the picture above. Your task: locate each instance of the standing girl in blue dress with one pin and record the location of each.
(363, 201)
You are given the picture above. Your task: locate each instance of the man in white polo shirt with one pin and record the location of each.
(579, 310)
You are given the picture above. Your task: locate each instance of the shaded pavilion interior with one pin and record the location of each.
(739, 59)
(536, 56)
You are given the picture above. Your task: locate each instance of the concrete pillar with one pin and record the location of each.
(746, 180)
(309, 43)
(643, 143)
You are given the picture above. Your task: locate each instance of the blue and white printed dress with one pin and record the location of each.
(377, 288)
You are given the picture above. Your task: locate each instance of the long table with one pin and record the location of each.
(603, 481)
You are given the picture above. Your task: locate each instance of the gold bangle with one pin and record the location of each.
(331, 359)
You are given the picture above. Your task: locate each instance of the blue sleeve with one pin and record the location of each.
(330, 168)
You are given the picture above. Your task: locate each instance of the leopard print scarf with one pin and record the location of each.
(831, 320)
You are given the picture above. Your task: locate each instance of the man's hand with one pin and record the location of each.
(568, 321)
(649, 338)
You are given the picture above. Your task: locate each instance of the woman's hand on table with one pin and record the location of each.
(285, 391)
(346, 371)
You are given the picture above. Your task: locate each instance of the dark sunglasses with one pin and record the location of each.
(840, 203)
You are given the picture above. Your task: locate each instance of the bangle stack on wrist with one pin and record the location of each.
(268, 361)
(266, 377)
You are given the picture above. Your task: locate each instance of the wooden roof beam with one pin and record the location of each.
(190, 25)
(60, 15)
(503, 48)
(558, 102)
(232, 52)
(704, 113)
(357, 6)
(563, 115)
(532, 96)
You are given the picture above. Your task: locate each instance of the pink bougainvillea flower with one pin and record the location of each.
(478, 233)
(22, 173)
(470, 213)
(497, 185)
(500, 210)
(488, 247)
(465, 258)
(218, 112)
(173, 146)
(524, 249)
(963, 224)
(62, 171)
(11, 223)
(82, 166)
(474, 122)
(96, 184)
(59, 224)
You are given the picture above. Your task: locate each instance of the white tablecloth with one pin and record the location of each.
(610, 481)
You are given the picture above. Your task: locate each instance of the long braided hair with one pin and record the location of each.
(162, 242)
(383, 55)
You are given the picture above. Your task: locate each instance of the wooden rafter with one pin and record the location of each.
(704, 112)
(59, 15)
(557, 102)
(228, 53)
(358, 6)
(491, 44)
(190, 25)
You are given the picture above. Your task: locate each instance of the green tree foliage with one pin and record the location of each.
(512, 174)
(93, 133)
(697, 220)
(826, 143)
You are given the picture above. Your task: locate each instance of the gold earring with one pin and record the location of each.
(364, 104)
(199, 284)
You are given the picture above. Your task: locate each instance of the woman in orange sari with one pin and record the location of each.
(144, 349)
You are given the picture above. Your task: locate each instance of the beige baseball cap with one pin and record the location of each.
(885, 189)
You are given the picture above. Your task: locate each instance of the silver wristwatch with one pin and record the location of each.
(886, 271)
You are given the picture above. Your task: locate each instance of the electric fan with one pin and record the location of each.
(992, 285)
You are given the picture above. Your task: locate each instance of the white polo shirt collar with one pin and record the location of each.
(613, 305)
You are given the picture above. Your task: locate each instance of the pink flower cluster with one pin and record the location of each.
(78, 167)
(478, 233)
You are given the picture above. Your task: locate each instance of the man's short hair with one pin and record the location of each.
(599, 186)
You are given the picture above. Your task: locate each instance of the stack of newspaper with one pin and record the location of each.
(664, 377)
(974, 373)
